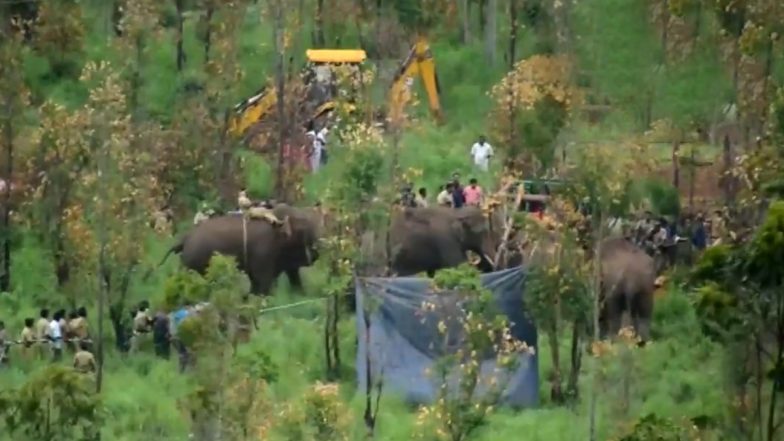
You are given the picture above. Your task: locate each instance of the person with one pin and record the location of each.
(243, 201)
(315, 151)
(718, 228)
(421, 198)
(458, 199)
(68, 332)
(162, 219)
(261, 210)
(78, 325)
(444, 197)
(699, 237)
(42, 332)
(481, 152)
(27, 338)
(84, 362)
(473, 193)
(56, 337)
(160, 334)
(202, 214)
(141, 325)
(321, 139)
(407, 197)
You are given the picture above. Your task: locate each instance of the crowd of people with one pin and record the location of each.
(451, 194)
(49, 336)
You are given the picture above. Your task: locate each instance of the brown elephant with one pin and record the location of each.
(627, 281)
(429, 239)
(628, 278)
(263, 251)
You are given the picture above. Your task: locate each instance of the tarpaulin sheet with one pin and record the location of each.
(405, 342)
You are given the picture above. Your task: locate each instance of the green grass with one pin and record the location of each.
(680, 374)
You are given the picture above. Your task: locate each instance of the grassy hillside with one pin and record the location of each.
(621, 62)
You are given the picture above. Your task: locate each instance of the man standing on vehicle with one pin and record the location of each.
(481, 152)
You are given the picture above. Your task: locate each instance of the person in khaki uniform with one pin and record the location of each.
(42, 334)
(78, 326)
(243, 201)
(84, 362)
(27, 338)
(259, 211)
(142, 325)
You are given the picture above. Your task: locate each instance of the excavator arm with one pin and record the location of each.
(418, 62)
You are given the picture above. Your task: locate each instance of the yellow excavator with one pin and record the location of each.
(321, 91)
(319, 83)
(418, 62)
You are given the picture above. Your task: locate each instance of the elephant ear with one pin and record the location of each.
(473, 221)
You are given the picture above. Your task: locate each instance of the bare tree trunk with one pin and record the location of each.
(103, 271)
(179, 6)
(556, 392)
(208, 32)
(465, 34)
(692, 177)
(512, 33)
(482, 16)
(491, 34)
(277, 35)
(727, 166)
(676, 172)
(572, 388)
(8, 130)
(320, 39)
(596, 288)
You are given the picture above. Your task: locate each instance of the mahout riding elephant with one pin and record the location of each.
(628, 278)
(262, 250)
(429, 239)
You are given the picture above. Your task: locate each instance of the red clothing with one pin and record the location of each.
(473, 195)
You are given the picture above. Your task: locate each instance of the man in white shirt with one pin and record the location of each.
(56, 336)
(315, 152)
(481, 152)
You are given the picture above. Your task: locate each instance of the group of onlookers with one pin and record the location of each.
(452, 194)
(49, 335)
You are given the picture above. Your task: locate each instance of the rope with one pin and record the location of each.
(245, 240)
(292, 305)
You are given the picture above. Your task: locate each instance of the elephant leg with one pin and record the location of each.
(261, 282)
(295, 279)
(641, 311)
(613, 315)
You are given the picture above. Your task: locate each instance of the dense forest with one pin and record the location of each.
(122, 119)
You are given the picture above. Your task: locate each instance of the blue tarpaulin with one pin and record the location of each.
(404, 340)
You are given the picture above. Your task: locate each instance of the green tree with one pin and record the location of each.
(14, 98)
(56, 403)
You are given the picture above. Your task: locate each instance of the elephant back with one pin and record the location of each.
(222, 235)
(627, 267)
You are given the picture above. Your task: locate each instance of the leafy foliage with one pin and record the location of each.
(56, 403)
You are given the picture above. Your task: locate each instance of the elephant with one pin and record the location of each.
(627, 285)
(429, 239)
(266, 251)
(627, 281)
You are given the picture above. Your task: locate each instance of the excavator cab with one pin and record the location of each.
(319, 76)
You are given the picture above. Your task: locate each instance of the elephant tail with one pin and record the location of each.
(176, 248)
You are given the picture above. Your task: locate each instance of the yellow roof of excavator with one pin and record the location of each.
(336, 55)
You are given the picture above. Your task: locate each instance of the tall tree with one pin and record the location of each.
(491, 31)
(14, 98)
